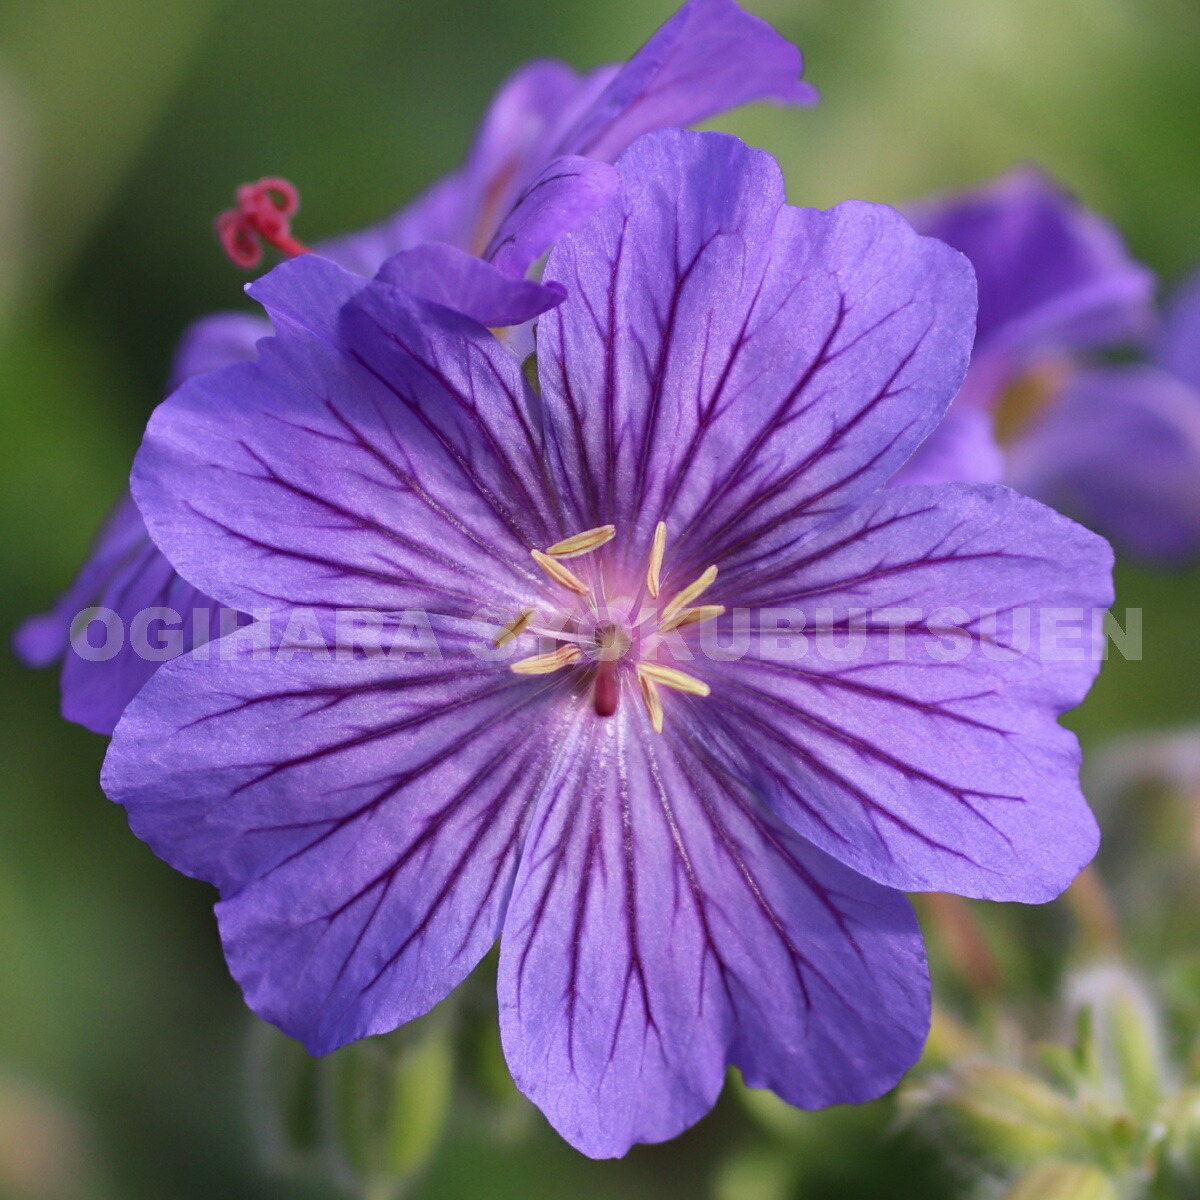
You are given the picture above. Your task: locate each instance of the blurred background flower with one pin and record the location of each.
(124, 127)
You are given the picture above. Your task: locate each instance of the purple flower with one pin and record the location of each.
(525, 182)
(540, 162)
(156, 613)
(694, 857)
(1053, 279)
(1117, 447)
(1120, 449)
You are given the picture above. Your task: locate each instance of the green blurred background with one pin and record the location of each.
(124, 127)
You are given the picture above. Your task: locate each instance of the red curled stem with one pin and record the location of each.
(263, 214)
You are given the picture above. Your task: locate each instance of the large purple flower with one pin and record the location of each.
(1117, 447)
(538, 167)
(692, 854)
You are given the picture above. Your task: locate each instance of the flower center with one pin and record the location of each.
(1027, 397)
(601, 636)
(263, 214)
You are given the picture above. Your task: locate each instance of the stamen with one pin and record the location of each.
(514, 628)
(689, 593)
(657, 548)
(582, 543)
(264, 210)
(559, 573)
(670, 677)
(691, 616)
(547, 664)
(653, 702)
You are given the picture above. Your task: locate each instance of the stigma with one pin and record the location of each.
(263, 213)
(604, 634)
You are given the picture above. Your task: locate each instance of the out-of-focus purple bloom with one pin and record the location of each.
(540, 162)
(127, 575)
(1117, 447)
(1052, 277)
(693, 855)
(1121, 447)
(1178, 350)
(539, 166)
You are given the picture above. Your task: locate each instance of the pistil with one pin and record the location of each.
(600, 643)
(263, 214)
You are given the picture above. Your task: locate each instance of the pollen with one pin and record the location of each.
(693, 591)
(582, 543)
(514, 628)
(657, 549)
(560, 574)
(670, 677)
(691, 616)
(652, 700)
(547, 664)
(611, 628)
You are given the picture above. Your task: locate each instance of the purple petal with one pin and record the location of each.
(929, 761)
(516, 140)
(1052, 275)
(160, 616)
(127, 574)
(710, 57)
(44, 639)
(962, 449)
(214, 342)
(1179, 339)
(1120, 451)
(379, 454)
(558, 201)
(361, 816)
(519, 135)
(739, 369)
(662, 927)
(468, 285)
(438, 215)
(154, 616)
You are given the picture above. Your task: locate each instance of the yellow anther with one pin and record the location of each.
(657, 548)
(514, 628)
(689, 593)
(547, 664)
(669, 677)
(559, 573)
(582, 543)
(691, 616)
(653, 702)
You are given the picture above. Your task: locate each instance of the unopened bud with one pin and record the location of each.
(283, 1100)
(1011, 1113)
(1063, 1181)
(1128, 1044)
(386, 1100)
(760, 1172)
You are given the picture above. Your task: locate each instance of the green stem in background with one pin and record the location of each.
(1095, 914)
(961, 937)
